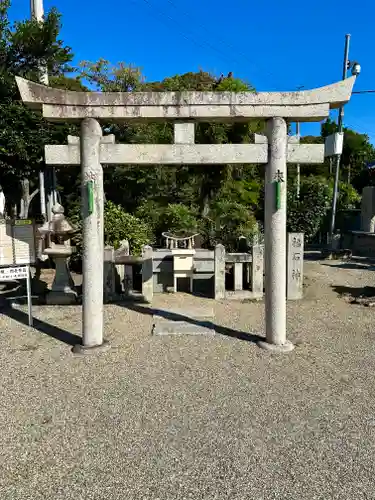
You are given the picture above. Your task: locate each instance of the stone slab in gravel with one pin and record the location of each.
(182, 328)
(183, 321)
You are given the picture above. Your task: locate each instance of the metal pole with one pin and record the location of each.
(42, 194)
(29, 296)
(37, 12)
(298, 165)
(339, 129)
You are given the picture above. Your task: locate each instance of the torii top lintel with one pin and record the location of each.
(66, 105)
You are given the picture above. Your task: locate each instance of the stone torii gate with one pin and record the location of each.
(184, 108)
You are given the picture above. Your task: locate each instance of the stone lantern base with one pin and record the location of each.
(63, 290)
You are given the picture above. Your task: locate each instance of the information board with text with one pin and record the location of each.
(17, 242)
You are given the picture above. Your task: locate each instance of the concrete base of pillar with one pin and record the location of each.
(89, 350)
(287, 347)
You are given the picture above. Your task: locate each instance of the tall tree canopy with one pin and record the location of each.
(25, 47)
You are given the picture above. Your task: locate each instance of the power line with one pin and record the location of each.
(163, 15)
(224, 42)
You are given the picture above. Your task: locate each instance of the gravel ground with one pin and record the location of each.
(193, 417)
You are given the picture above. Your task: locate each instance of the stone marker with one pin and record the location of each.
(219, 272)
(257, 270)
(147, 274)
(295, 266)
(109, 284)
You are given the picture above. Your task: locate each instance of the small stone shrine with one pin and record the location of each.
(181, 245)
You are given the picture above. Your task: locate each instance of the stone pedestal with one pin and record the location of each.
(63, 289)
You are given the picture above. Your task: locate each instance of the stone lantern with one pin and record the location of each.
(58, 231)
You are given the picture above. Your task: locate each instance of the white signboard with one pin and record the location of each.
(15, 273)
(17, 242)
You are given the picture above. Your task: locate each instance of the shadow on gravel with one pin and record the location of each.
(222, 330)
(312, 255)
(365, 291)
(52, 331)
(352, 265)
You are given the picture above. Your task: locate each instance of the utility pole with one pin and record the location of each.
(37, 12)
(338, 157)
(298, 165)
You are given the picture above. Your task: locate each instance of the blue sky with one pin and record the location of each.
(273, 44)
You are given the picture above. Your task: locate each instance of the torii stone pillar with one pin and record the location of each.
(275, 237)
(184, 108)
(92, 193)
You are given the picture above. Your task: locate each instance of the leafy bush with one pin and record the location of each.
(348, 196)
(178, 217)
(306, 214)
(118, 225)
(227, 221)
(150, 212)
(173, 217)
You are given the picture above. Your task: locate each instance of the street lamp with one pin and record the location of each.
(356, 68)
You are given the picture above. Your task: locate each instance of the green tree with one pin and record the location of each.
(189, 185)
(25, 47)
(306, 214)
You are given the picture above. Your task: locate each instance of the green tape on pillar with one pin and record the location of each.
(90, 196)
(278, 195)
